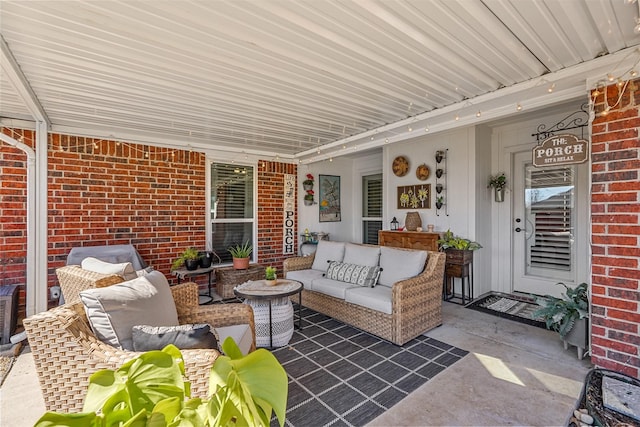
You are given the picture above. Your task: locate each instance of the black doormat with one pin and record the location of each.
(341, 376)
(508, 306)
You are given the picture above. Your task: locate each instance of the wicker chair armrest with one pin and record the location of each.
(74, 279)
(185, 295)
(298, 263)
(219, 315)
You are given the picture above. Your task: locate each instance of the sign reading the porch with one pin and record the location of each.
(564, 149)
(288, 240)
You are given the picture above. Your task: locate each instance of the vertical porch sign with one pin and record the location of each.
(288, 245)
(565, 149)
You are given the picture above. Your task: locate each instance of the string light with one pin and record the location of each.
(551, 88)
(518, 107)
(478, 114)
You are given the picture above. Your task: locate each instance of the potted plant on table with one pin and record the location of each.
(190, 259)
(569, 315)
(498, 183)
(270, 276)
(241, 254)
(458, 249)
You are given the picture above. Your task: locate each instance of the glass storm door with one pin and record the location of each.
(546, 233)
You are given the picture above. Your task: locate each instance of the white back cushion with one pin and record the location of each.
(361, 255)
(327, 251)
(123, 269)
(113, 311)
(398, 264)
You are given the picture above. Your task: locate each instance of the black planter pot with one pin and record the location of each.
(191, 264)
(439, 205)
(439, 188)
(439, 173)
(205, 259)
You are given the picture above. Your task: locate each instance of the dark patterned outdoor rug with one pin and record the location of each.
(341, 376)
(510, 307)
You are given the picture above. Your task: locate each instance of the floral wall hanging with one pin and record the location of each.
(414, 196)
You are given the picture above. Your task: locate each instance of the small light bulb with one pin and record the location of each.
(610, 77)
(386, 140)
(478, 114)
(633, 73)
(410, 128)
(596, 92)
(457, 117)
(518, 107)
(331, 159)
(426, 129)
(620, 83)
(551, 88)
(371, 138)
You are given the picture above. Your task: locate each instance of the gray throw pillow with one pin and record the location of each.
(361, 275)
(146, 338)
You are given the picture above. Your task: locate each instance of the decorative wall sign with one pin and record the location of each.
(564, 149)
(329, 200)
(414, 196)
(288, 233)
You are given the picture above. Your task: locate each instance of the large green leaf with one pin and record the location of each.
(83, 419)
(255, 379)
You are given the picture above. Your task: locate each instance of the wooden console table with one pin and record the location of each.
(409, 239)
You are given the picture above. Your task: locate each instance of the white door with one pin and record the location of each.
(549, 226)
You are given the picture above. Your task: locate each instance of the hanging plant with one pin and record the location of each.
(498, 181)
(309, 195)
(309, 180)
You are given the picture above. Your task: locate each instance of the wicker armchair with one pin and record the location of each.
(66, 351)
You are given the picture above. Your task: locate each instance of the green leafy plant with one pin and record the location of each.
(241, 250)
(189, 253)
(449, 241)
(560, 314)
(498, 181)
(270, 273)
(150, 391)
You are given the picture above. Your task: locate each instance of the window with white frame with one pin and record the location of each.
(371, 208)
(232, 207)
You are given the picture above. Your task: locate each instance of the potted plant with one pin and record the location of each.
(498, 183)
(308, 198)
(150, 390)
(189, 259)
(458, 249)
(569, 315)
(270, 276)
(307, 184)
(241, 254)
(439, 202)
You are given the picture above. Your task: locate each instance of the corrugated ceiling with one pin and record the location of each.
(287, 77)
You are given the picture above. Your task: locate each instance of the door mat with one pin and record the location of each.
(342, 376)
(512, 307)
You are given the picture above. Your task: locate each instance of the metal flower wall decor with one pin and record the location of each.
(414, 196)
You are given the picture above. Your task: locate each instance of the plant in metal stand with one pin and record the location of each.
(189, 259)
(563, 315)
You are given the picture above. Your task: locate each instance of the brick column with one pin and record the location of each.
(615, 246)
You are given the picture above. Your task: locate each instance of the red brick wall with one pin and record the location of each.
(13, 213)
(615, 229)
(271, 212)
(106, 192)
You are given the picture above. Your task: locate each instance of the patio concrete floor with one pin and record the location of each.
(515, 374)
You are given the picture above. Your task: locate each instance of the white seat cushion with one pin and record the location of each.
(327, 251)
(241, 334)
(330, 287)
(123, 269)
(398, 264)
(113, 311)
(361, 255)
(378, 298)
(306, 277)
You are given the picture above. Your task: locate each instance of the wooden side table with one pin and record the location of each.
(458, 265)
(228, 278)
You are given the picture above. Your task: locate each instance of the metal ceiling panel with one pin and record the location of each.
(291, 76)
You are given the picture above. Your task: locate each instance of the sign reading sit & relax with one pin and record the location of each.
(564, 149)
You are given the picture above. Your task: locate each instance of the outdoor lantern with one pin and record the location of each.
(394, 223)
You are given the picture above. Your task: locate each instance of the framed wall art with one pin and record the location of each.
(414, 196)
(329, 199)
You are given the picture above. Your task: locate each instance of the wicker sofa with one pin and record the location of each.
(66, 351)
(415, 302)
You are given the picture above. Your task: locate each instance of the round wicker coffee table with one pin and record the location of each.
(272, 309)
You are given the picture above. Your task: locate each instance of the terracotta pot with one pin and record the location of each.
(241, 263)
(271, 282)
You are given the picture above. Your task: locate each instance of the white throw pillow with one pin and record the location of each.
(327, 251)
(124, 269)
(361, 254)
(398, 264)
(113, 311)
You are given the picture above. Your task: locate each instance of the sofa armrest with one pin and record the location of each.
(422, 289)
(298, 263)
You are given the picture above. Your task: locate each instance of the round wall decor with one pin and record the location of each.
(422, 172)
(400, 166)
